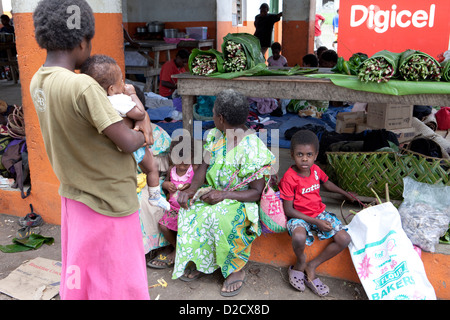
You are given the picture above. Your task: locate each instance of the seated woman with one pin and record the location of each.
(217, 230)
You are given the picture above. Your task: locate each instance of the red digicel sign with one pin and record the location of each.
(371, 26)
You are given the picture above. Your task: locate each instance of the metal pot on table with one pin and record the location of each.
(170, 33)
(155, 26)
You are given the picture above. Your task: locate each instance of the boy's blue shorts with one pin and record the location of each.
(310, 228)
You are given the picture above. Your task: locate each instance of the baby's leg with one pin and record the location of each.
(148, 166)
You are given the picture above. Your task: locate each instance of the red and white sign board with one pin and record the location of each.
(370, 26)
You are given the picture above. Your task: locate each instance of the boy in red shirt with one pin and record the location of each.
(299, 189)
(167, 85)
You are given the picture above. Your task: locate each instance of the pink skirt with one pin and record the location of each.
(102, 257)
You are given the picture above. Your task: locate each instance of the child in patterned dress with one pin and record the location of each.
(180, 177)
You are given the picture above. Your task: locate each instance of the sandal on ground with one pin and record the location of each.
(296, 279)
(32, 219)
(27, 231)
(235, 292)
(189, 270)
(317, 287)
(161, 258)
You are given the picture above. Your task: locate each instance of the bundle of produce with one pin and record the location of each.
(205, 62)
(380, 67)
(204, 65)
(235, 58)
(416, 65)
(241, 51)
(445, 71)
(351, 66)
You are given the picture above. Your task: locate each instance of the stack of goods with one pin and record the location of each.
(416, 65)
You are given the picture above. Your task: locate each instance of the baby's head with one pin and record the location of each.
(304, 149)
(106, 72)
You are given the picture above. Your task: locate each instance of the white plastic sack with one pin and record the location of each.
(387, 265)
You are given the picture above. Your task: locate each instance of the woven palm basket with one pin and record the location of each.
(361, 171)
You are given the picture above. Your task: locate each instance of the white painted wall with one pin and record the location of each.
(171, 10)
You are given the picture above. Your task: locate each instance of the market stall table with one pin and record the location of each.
(11, 60)
(289, 87)
(152, 70)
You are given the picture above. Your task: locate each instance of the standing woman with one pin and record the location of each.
(264, 22)
(217, 231)
(90, 150)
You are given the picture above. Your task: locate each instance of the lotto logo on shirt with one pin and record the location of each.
(311, 189)
(393, 25)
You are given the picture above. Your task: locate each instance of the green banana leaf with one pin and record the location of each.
(33, 242)
(445, 70)
(250, 44)
(407, 55)
(262, 70)
(393, 87)
(211, 52)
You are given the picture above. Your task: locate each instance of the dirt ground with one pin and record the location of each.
(263, 281)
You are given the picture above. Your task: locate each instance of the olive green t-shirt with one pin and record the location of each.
(73, 111)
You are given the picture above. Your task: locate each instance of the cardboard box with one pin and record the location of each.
(345, 127)
(405, 134)
(389, 116)
(360, 127)
(354, 117)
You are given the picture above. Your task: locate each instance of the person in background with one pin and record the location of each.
(320, 20)
(335, 29)
(264, 22)
(167, 84)
(300, 191)
(276, 59)
(5, 21)
(328, 59)
(90, 150)
(320, 50)
(310, 60)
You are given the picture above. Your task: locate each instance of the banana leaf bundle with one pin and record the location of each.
(241, 51)
(380, 67)
(445, 70)
(415, 65)
(205, 62)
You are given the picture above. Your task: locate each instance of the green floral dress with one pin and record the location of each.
(220, 235)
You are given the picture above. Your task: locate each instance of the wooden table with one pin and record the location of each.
(11, 62)
(196, 43)
(289, 87)
(153, 68)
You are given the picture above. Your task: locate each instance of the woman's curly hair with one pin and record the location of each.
(54, 24)
(233, 106)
